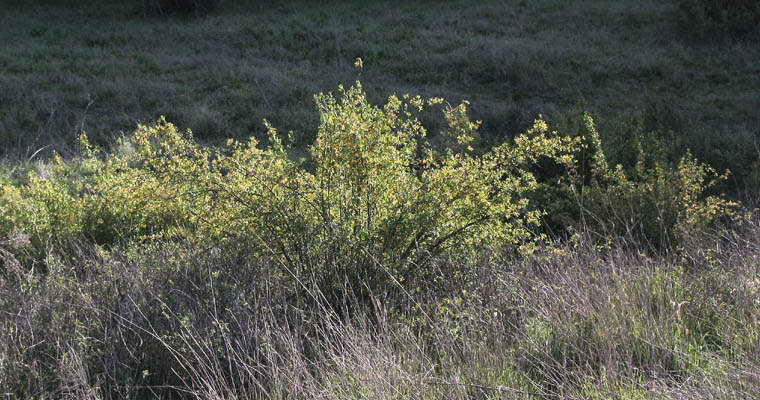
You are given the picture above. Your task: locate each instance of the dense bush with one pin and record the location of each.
(644, 197)
(90, 200)
(374, 203)
(737, 19)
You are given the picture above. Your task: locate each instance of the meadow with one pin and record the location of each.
(428, 200)
(68, 68)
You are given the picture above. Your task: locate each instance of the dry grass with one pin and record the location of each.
(173, 321)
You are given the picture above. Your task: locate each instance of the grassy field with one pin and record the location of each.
(70, 67)
(585, 255)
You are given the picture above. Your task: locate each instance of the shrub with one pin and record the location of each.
(376, 205)
(102, 201)
(646, 198)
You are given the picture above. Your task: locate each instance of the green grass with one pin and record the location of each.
(68, 67)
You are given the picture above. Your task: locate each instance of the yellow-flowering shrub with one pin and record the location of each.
(376, 203)
(374, 200)
(100, 200)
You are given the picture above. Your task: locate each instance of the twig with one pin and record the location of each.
(37, 152)
(90, 101)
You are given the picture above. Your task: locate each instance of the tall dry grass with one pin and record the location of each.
(569, 321)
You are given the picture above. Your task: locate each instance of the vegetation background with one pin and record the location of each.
(563, 225)
(69, 66)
